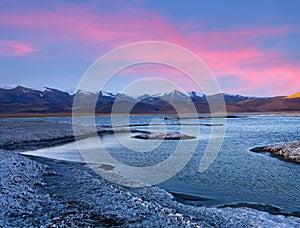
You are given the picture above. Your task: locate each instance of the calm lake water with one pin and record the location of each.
(236, 176)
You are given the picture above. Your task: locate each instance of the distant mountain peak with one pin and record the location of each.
(84, 92)
(43, 89)
(174, 92)
(295, 95)
(195, 94)
(9, 87)
(109, 94)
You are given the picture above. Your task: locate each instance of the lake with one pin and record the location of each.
(236, 176)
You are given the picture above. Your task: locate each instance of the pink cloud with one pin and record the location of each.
(233, 52)
(14, 48)
(77, 24)
(260, 70)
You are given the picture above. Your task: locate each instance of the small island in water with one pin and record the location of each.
(286, 151)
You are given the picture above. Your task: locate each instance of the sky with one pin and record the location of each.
(251, 47)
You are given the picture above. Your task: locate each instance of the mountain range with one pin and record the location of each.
(22, 100)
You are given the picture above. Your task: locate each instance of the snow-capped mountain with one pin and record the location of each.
(172, 95)
(9, 87)
(20, 99)
(107, 94)
(232, 97)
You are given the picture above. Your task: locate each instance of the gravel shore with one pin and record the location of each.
(40, 192)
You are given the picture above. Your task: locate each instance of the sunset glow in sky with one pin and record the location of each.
(252, 47)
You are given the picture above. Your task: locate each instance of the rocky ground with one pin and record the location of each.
(286, 151)
(39, 192)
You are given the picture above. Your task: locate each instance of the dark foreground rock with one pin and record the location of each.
(286, 151)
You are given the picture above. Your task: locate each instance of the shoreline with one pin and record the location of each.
(41, 115)
(45, 192)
